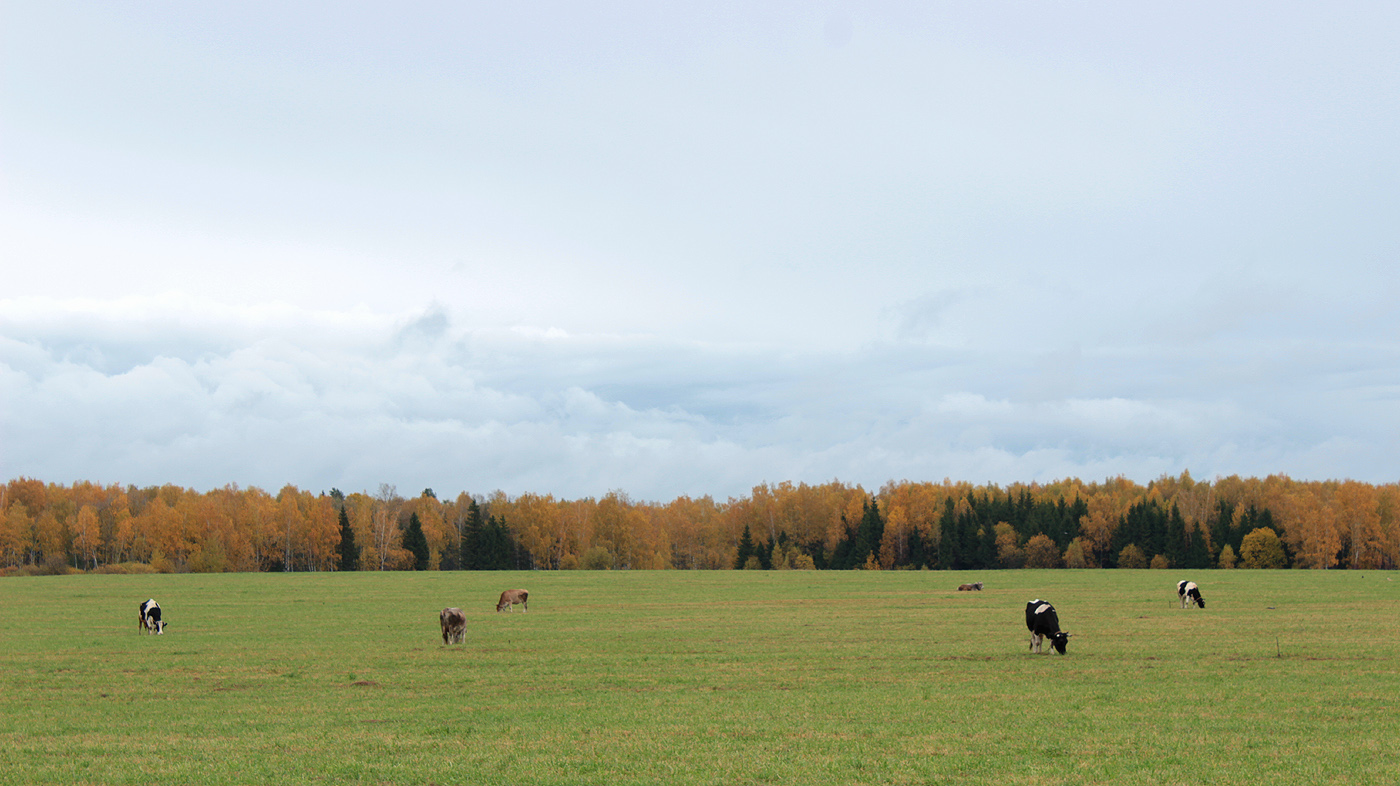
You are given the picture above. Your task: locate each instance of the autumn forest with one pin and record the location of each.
(1172, 522)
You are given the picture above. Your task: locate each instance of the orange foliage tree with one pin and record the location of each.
(1321, 524)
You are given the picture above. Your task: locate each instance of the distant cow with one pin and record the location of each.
(511, 597)
(970, 587)
(454, 625)
(1043, 623)
(1189, 593)
(148, 618)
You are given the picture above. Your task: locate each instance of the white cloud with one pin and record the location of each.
(292, 400)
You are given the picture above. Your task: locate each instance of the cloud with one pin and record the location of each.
(349, 400)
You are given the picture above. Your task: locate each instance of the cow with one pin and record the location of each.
(511, 597)
(1043, 624)
(148, 618)
(454, 625)
(970, 587)
(1189, 593)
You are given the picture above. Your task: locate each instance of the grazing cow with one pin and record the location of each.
(148, 618)
(511, 597)
(970, 587)
(1043, 624)
(1189, 593)
(454, 625)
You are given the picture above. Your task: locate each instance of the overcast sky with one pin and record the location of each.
(689, 248)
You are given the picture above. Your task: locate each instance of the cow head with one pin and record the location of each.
(159, 626)
(1058, 640)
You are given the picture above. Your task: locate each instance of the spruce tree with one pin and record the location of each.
(1197, 552)
(416, 542)
(498, 548)
(471, 539)
(868, 535)
(764, 552)
(745, 549)
(948, 537)
(987, 546)
(919, 551)
(1220, 525)
(1176, 544)
(841, 554)
(347, 550)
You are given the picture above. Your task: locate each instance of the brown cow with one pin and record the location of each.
(511, 597)
(970, 587)
(454, 625)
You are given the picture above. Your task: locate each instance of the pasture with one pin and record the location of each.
(1286, 677)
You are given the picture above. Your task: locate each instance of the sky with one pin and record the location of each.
(687, 248)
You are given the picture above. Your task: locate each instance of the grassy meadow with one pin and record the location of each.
(1286, 677)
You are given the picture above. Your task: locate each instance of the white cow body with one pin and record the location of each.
(1190, 594)
(148, 618)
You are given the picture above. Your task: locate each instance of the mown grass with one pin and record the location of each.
(705, 678)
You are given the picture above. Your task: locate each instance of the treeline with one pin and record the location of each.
(1177, 522)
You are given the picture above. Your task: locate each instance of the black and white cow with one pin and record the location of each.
(1188, 592)
(1043, 624)
(148, 618)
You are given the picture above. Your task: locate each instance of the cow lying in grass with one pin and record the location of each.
(1043, 623)
(970, 587)
(1189, 593)
(511, 597)
(454, 625)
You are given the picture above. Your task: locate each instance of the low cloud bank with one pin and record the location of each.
(202, 397)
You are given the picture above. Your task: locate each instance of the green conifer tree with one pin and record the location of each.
(868, 535)
(348, 552)
(416, 542)
(745, 549)
(471, 539)
(498, 547)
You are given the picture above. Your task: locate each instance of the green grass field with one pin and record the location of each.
(1286, 677)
